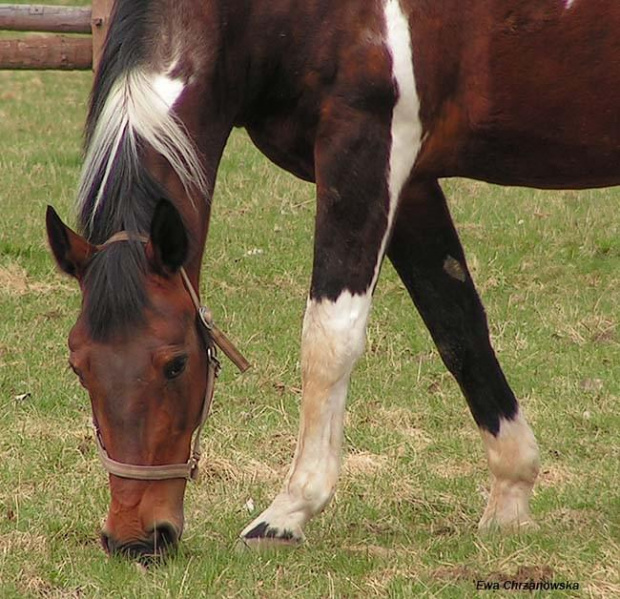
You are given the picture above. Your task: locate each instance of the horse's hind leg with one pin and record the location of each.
(428, 256)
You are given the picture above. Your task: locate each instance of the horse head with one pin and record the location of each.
(137, 349)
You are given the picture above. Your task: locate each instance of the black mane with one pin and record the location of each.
(115, 294)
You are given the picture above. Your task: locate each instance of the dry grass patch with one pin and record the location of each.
(378, 551)
(604, 580)
(215, 467)
(523, 574)
(72, 433)
(26, 542)
(573, 518)
(602, 588)
(364, 463)
(405, 490)
(241, 468)
(403, 422)
(556, 476)
(454, 468)
(379, 581)
(453, 573)
(14, 281)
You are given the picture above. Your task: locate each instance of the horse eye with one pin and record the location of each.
(77, 373)
(175, 367)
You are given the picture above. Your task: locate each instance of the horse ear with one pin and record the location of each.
(168, 245)
(71, 251)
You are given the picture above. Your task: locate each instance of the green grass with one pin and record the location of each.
(403, 522)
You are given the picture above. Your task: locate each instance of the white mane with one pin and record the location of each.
(139, 107)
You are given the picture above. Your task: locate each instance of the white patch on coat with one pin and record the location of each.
(406, 129)
(168, 89)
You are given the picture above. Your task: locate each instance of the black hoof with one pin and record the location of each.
(264, 537)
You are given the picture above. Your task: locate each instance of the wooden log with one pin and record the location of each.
(102, 11)
(38, 17)
(50, 52)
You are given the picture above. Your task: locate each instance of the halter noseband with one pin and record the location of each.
(212, 337)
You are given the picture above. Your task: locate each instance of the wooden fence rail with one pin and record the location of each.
(61, 19)
(57, 52)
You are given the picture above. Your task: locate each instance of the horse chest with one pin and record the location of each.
(285, 143)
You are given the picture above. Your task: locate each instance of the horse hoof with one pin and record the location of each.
(494, 526)
(263, 537)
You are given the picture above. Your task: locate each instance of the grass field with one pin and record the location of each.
(403, 522)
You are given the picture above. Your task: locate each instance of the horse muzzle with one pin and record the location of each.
(160, 541)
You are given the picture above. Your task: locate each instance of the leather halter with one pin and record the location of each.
(212, 337)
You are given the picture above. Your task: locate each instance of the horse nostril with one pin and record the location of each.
(165, 537)
(106, 542)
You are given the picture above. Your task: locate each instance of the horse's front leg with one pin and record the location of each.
(367, 142)
(357, 198)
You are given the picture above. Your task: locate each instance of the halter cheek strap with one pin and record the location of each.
(212, 337)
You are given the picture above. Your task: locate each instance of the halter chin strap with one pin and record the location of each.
(212, 337)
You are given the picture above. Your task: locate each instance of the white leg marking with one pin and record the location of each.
(513, 461)
(333, 339)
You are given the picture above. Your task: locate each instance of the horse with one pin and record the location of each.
(373, 102)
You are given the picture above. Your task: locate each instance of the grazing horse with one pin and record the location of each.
(372, 101)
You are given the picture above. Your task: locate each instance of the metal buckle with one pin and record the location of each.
(206, 317)
(213, 359)
(194, 462)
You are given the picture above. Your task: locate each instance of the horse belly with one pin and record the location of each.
(533, 161)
